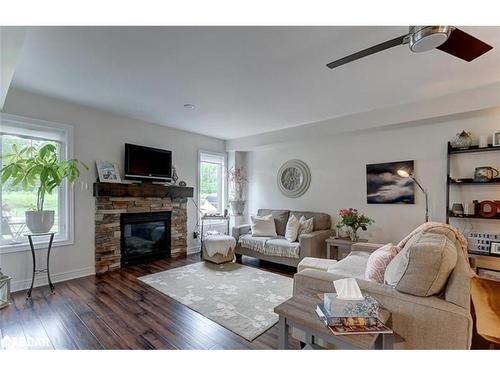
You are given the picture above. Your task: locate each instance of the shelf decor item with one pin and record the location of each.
(352, 219)
(294, 178)
(489, 208)
(495, 248)
(4, 290)
(39, 168)
(457, 208)
(496, 138)
(483, 141)
(485, 174)
(237, 181)
(463, 140)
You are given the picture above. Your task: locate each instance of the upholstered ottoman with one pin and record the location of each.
(319, 264)
(218, 248)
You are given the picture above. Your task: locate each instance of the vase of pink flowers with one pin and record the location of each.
(352, 219)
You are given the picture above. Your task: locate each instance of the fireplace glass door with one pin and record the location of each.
(145, 237)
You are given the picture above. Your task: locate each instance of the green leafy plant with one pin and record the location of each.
(40, 168)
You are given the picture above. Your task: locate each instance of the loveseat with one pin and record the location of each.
(278, 249)
(425, 317)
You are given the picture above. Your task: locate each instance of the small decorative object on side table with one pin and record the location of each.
(44, 270)
(4, 290)
(340, 245)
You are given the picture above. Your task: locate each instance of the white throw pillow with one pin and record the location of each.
(306, 225)
(292, 229)
(263, 226)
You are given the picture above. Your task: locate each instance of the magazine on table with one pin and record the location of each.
(350, 325)
(347, 320)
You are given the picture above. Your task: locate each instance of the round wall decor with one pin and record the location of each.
(294, 178)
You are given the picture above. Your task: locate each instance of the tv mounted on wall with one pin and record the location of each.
(147, 163)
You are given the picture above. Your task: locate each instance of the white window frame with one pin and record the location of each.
(223, 156)
(34, 127)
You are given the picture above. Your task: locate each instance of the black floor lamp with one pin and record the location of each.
(407, 174)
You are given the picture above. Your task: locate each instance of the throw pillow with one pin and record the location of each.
(292, 229)
(378, 262)
(263, 226)
(306, 225)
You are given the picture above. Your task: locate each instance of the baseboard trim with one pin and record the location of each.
(193, 250)
(41, 280)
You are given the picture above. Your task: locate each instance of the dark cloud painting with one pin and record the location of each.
(384, 185)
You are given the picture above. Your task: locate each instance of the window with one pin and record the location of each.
(14, 201)
(211, 183)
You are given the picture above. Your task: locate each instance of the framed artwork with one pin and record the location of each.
(496, 138)
(486, 273)
(108, 171)
(495, 248)
(385, 186)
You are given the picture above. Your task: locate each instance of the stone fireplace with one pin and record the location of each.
(166, 204)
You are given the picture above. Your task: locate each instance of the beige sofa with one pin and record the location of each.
(278, 249)
(438, 321)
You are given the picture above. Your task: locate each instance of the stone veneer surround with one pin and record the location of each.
(107, 226)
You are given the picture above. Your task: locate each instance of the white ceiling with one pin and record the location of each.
(242, 80)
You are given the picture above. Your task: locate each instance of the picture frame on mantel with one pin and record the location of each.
(108, 171)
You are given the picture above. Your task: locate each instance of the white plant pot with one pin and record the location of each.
(237, 207)
(39, 221)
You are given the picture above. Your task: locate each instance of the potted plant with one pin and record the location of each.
(237, 181)
(352, 219)
(39, 167)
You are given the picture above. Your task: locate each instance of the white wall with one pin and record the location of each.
(99, 135)
(338, 163)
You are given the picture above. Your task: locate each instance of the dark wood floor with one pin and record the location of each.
(117, 311)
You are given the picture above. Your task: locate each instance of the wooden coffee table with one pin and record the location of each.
(300, 312)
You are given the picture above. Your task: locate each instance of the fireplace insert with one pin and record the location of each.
(145, 237)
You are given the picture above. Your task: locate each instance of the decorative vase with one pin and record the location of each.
(237, 206)
(353, 234)
(39, 221)
(463, 140)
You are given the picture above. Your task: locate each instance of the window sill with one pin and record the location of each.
(23, 247)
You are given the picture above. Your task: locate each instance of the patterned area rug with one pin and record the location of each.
(238, 297)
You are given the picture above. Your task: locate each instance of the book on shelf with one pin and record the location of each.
(351, 325)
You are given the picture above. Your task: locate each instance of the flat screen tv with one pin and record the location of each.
(147, 163)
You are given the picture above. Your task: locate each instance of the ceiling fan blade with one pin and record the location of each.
(369, 51)
(464, 46)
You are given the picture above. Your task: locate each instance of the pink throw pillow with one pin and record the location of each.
(378, 262)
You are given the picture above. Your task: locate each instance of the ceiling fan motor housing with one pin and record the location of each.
(425, 38)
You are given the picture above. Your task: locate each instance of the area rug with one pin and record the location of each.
(238, 297)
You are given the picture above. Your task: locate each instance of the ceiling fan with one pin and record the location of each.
(424, 38)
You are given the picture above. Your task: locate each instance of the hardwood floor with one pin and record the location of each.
(117, 311)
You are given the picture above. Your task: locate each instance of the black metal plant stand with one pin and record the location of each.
(45, 270)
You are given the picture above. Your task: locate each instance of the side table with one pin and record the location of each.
(44, 270)
(340, 245)
(300, 312)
